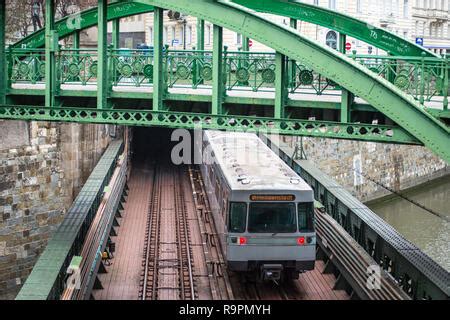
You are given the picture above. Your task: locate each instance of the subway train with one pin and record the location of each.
(263, 211)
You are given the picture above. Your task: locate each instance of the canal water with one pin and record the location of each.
(427, 231)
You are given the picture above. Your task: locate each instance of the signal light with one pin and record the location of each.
(242, 240)
(301, 240)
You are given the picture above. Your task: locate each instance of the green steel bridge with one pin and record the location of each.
(302, 88)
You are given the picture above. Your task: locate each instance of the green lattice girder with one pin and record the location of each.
(345, 24)
(171, 119)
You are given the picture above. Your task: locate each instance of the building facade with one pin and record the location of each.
(398, 16)
(432, 24)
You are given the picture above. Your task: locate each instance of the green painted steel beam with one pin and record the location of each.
(102, 55)
(218, 90)
(280, 85)
(158, 68)
(170, 119)
(346, 97)
(115, 35)
(3, 71)
(230, 100)
(51, 45)
(200, 34)
(76, 40)
(382, 95)
(331, 19)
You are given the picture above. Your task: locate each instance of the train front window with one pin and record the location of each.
(306, 217)
(238, 217)
(272, 218)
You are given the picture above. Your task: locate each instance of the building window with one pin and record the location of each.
(332, 4)
(151, 36)
(238, 38)
(173, 33)
(331, 39)
(182, 34)
(165, 33)
(358, 6)
(316, 2)
(208, 35)
(405, 8)
(189, 35)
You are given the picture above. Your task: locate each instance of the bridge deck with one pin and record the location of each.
(330, 96)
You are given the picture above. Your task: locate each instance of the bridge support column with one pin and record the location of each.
(116, 32)
(200, 34)
(292, 71)
(158, 70)
(102, 64)
(280, 85)
(3, 71)
(245, 44)
(200, 46)
(76, 40)
(218, 91)
(347, 97)
(51, 46)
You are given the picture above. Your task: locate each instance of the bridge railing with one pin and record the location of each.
(250, 70)
(424, 78)
(77, 66)
(421, 77)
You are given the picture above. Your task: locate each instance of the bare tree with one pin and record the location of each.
(22, 15)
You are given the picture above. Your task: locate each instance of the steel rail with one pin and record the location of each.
(150, 251)
(183, 239)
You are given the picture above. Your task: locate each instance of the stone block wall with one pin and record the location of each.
(42, 168)
(397, 166)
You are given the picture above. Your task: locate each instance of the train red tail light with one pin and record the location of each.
(301, 240)
(242, 240)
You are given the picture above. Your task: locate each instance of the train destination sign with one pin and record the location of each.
(272, 197)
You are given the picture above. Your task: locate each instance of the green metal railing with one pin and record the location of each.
(424, 78)
(421, 77)
(77, 66)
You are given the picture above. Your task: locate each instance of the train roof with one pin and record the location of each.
(249, 164)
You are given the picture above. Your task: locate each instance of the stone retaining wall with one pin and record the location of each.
(42, 168)
(397, 166)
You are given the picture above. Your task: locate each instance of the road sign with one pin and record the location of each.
(348, 46)
(175, 42)
(419, 41)
(250, 43)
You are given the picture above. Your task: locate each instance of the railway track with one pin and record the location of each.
(168, 261)
(219, 279)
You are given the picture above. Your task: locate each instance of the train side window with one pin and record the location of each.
(306, 217)
(238, 217)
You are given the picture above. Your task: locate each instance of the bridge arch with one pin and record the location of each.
(381, 94)
(339, 22)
